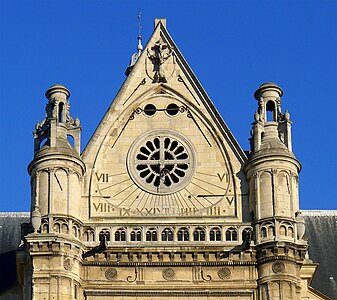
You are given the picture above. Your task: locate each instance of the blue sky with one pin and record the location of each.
(232, 46)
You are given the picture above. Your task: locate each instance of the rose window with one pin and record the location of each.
(162, 163)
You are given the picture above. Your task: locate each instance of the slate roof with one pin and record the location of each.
(10, 237)
(321, 230)
(10, 229)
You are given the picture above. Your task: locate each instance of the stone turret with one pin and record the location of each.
(272, 172)
(56, 172)
(57, 169)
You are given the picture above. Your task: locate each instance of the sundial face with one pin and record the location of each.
(179, 171)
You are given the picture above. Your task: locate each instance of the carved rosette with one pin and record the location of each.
(224, 273)
(111, 274)
(168, 274)
(278, 267)
(68, 264)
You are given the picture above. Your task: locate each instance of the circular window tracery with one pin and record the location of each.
(150, 109)
(161, 162)
(172, 109)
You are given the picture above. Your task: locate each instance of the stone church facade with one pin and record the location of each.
(163, 203)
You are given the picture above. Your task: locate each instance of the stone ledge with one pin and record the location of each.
(168, 293)
(169, 263)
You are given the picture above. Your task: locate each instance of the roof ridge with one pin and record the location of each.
(327, 212)
(15, 214)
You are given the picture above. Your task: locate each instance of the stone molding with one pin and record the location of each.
(169, 263)
(169, 293)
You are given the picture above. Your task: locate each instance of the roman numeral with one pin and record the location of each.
(103, 177)
(222, 177)
(230, 200)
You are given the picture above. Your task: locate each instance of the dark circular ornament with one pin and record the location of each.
(224, 273)
(278, 267)
(168, 274)
(111, 274)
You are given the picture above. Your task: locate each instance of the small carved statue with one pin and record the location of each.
(69, 119)
(247, 239)
(77, 121)
(160, 52)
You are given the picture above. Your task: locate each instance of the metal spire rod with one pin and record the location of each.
(140, 46)
(139, 25)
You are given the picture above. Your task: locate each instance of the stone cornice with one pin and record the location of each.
(171, 293)
(278, 257)
(169, 263)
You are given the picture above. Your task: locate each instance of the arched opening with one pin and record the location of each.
(136, 235)
(45, 228)
(183, 234)
(91, 236)
(42, 143)
(61, 110)
(283, 230)
(167, 235)
(120, 235)
(151, 235)
(71, 140)
(231, 234)
(271, 231)
(75, 292)
(270, 111)
(75, 231)
(215, 234)
(57, 228)
(263, 232)
(199, 234)
(104, 234)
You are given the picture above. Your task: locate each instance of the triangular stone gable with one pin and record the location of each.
(162, 104)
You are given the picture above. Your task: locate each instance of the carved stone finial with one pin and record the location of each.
(300, 225)
(57, 91)
(269, 89)
(256, 116)
(36, 219)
